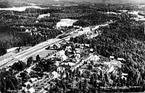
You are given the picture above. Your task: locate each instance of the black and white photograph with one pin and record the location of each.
(72, 46)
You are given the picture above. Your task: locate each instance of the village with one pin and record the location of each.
(72, 48)
(73, 61)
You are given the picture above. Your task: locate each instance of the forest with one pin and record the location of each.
(13, 35)
(123, 39)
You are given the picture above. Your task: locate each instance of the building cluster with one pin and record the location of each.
(74, 64)
(78, 61)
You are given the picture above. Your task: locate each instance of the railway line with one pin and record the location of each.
(21, 56)
(29, 52)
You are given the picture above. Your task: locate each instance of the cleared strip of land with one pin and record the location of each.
(41, 47)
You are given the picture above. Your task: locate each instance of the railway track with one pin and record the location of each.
(28, 53)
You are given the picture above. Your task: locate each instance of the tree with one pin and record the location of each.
(38, 58)
(2, 51)
(29, 61)
(19, 66)
(24, 75)
(8, 81)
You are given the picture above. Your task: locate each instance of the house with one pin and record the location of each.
(124, 76)
(22, 26)
(112, 57)
(43, 15)
(113, 63)
(30, 90)
(61, 54)
(36, 21)
(78, 57)
(68, 48)
(28, 84)
(33, 79)
(57, 63)
(81, 71)
(86, 45)
(55, 74)
(27, 31)
(121, 59)
(60, 69)
(95, 58)
(64, 57)
(56, 46)
(91, 50)
(69, 63)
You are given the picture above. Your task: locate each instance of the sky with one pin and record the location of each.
(97, 1)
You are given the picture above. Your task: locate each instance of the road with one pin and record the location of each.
(81, 62)
(41, 46)
(26, 53)
(44, 83)
(37, 48)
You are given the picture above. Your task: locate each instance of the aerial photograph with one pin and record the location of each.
(72, 46)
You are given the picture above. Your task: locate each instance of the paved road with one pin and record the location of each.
(81, 62)
(26, 53)
(44, 82)
(33, 50)
(41, 46)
